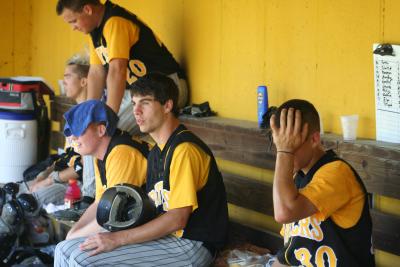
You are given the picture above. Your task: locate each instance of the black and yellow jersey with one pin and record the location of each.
(340, 233)
(125, 161)
(122, 34)
(184, 173)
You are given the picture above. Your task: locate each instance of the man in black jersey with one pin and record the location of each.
(185, 184)
(324, 209)
(122, 49)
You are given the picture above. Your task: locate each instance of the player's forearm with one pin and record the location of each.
(284, 189)
(163, 225)
(88, 229)
(66, 174)
(116, 83)
(87, 217)
(96, 81)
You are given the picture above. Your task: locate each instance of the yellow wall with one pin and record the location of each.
(54, 41)
(15, 37)
(317, 50)
(314, 49)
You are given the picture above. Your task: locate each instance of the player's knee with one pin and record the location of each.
(79, 258)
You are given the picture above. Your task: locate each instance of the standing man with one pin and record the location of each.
(183, 180)
(325, 207)
(91, 126)
(122, 49)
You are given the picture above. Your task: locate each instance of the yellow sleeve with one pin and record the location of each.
(72, 160)
(120, 34)
(335, 192)
(189, 170)
(93, 57)
(99, 187)
(124, 165)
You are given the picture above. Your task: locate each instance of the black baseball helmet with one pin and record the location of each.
(2, 198)
(11, 188)
(28, 202)
(124, 206)
(12, 213)
(10, 227)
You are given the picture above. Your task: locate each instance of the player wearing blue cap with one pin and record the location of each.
(92, 128)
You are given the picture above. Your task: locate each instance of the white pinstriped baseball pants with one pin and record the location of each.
(168, 251)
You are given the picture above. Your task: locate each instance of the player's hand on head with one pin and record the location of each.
(290, 135)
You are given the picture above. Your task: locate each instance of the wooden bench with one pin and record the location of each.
(243, 143)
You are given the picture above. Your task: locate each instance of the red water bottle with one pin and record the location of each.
(72, 194)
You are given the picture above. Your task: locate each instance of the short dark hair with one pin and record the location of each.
(309, 114)
(158, 85)
(74, 5)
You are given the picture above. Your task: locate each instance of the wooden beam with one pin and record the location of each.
(57, 140)
(378, 166)
(260, 237)
(386, 234)
(58, 107)
(233, 142)
(249, 193)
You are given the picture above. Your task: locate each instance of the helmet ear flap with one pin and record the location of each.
(12, 189)
(28, 202)
(13, 213)
(104, 207)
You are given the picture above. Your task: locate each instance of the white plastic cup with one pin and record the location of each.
(349, 127)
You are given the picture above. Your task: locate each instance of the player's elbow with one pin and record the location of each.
(180, 223)
(283, 215)
(180, 217)
(118, 66)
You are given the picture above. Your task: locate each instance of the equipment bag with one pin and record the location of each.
(22, 94)
(25, 95)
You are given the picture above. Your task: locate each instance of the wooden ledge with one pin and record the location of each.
(250, 127)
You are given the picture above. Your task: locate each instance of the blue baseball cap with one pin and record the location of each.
(79, 117)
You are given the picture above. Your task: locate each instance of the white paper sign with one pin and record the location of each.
(387, 95)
